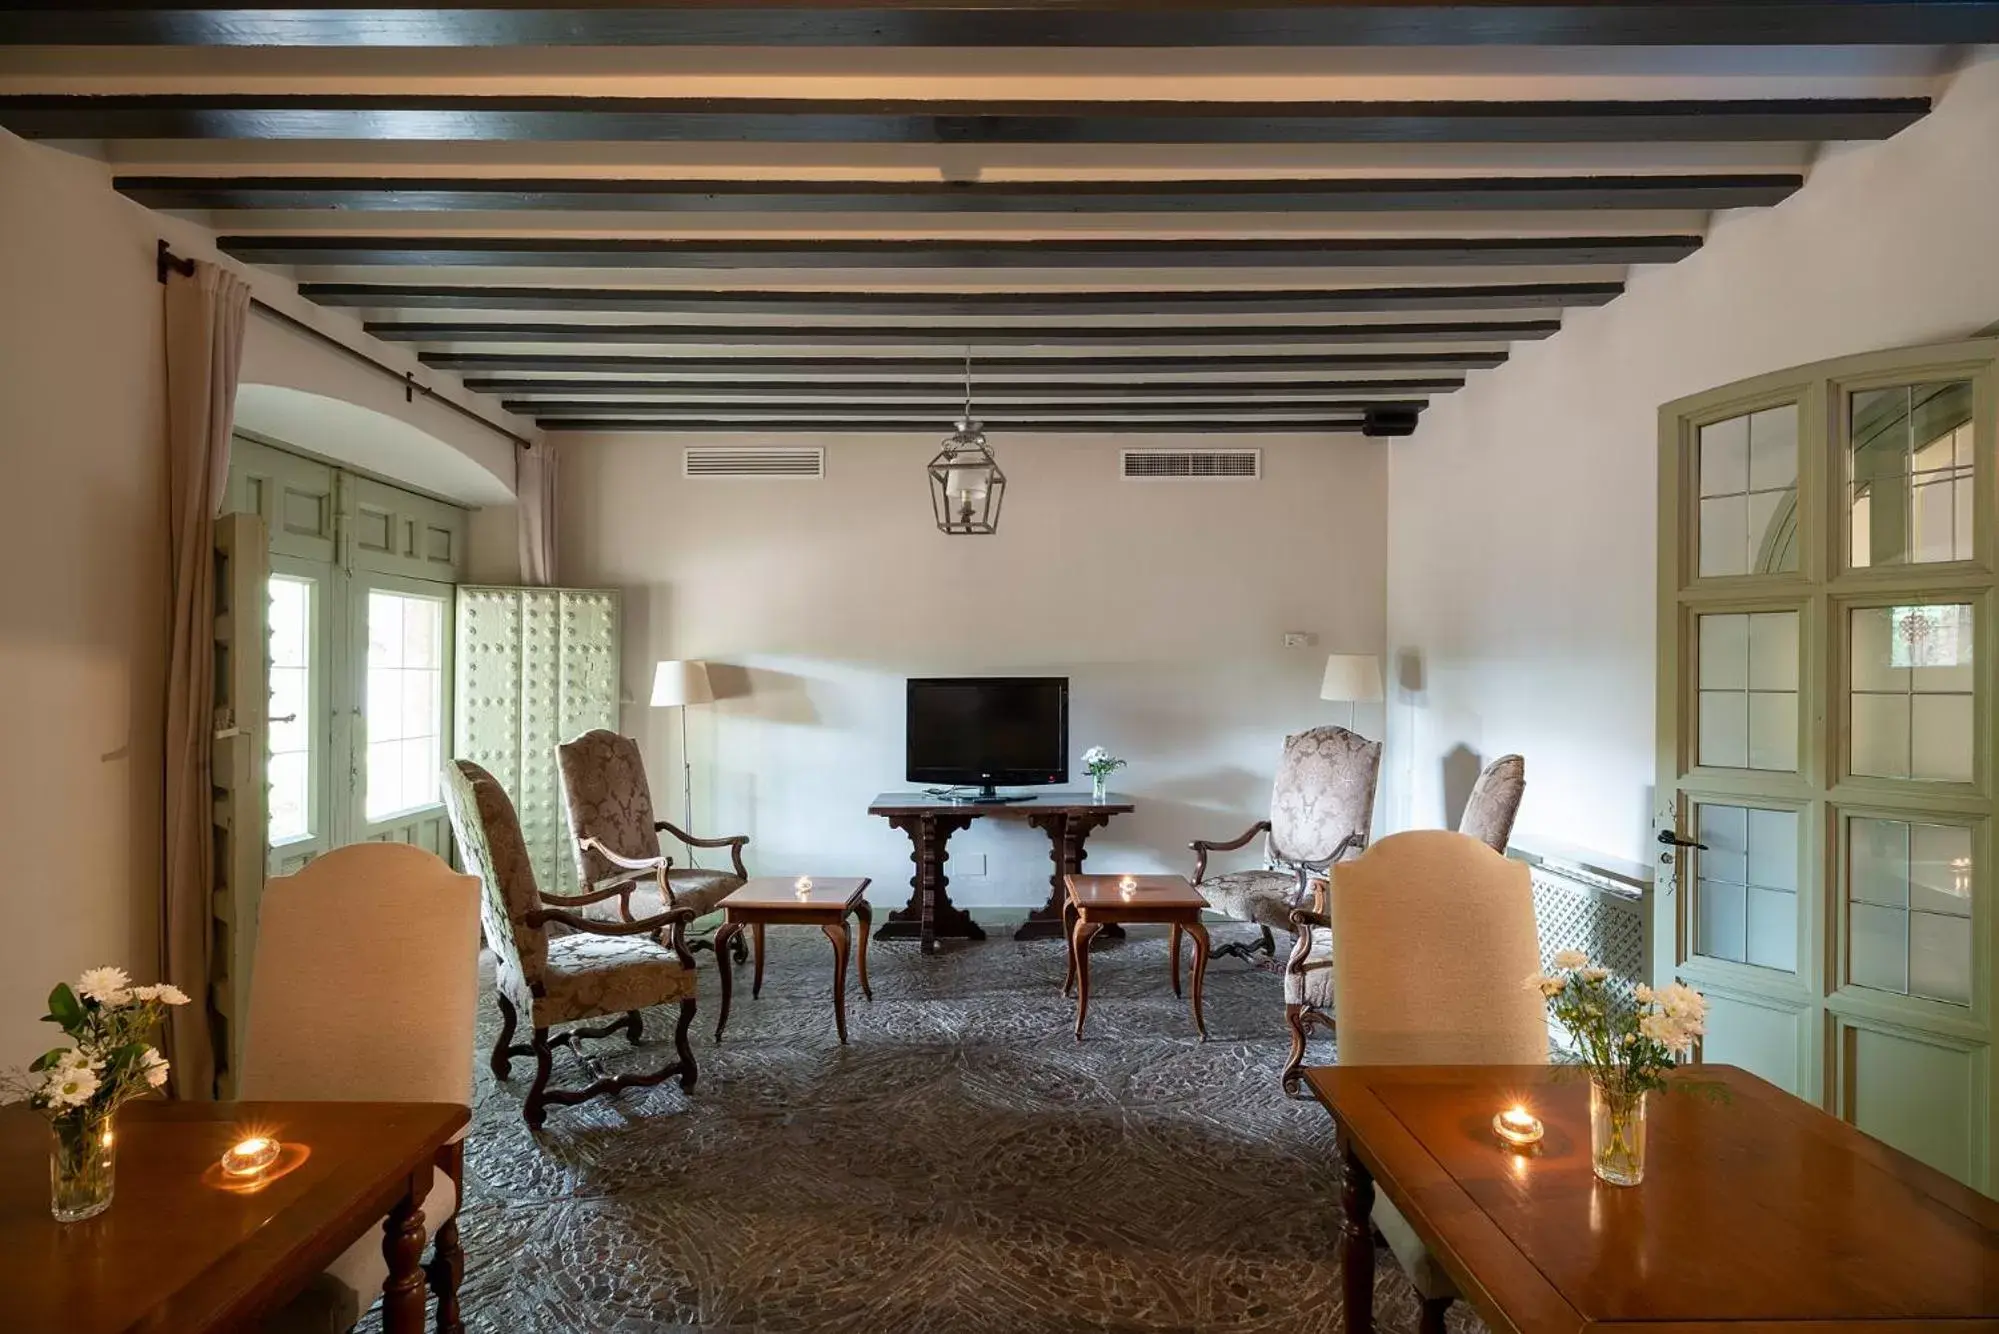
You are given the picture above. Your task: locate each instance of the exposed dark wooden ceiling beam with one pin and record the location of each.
(362, 194)
(1391, 393)
(937, 426)
(739, 120)
(1082, 23)
(1370, 393)
(988, 406)
(793, 367)
(820, 305)
(627, 252)
(1073, 335)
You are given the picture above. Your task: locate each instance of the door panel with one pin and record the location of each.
(1878, 1067)
(239, 778)
(1827, 672)
(402, 628)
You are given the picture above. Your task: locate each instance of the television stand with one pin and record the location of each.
(1068, 818)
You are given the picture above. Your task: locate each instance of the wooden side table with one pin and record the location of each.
(826, 903)
(1099, 901)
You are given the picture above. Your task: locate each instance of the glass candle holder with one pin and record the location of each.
(1517, 1128)
(248, 1157)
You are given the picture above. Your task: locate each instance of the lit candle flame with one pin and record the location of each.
(250, 1156)
(804, 886)
(1517, 1126)
(1127, 886)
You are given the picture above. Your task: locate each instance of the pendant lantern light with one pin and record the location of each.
(966, 485)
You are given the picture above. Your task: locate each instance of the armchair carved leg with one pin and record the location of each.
(1265, 944)
(687, 1071)
(544, 1062)
(1302, 1019)
(635, 1027)
(541, 1097)
(504, 1048)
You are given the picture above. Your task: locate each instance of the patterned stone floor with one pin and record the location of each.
(962, 1165)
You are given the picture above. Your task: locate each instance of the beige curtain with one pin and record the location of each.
(534, 487)
(205, 316)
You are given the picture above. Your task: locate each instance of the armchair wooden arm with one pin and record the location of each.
(734, 843)
(627, 863)
(1302, 922)
(674, 921)
(1202, 847)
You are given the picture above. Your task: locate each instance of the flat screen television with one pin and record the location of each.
(988, 731)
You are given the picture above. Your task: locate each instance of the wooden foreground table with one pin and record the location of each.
(176, 1253)
(1761, 1213)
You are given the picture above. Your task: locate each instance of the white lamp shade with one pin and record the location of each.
(1355, 677)
(675, 683)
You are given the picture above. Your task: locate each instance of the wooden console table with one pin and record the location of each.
(1066, 817)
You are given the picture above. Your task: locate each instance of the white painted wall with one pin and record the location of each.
(83, 543)
(1522, 516)
(1164, 603)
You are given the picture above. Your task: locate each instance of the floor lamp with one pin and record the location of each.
(675, 685)
(1353, 677)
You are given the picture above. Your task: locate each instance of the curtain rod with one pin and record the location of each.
(171, 263)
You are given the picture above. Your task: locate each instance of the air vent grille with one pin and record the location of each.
(1193, 465)
(785, 462)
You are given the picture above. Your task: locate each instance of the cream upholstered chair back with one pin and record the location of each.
(367, 972)
(1324, 792)
(491, 844)
(1433, 938)
(1495, 801)
(604, 788)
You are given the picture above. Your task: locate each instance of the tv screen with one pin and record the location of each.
(989, 730)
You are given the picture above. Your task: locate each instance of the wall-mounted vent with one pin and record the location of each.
(1193, 465)
(776, 462)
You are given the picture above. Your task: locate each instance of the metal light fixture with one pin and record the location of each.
(966, 485)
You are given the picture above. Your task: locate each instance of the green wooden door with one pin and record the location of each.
(1827, 672)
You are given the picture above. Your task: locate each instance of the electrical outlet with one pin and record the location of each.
(1298, 639)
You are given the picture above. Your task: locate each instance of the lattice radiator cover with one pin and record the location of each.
(534, 667)
(1607, 919)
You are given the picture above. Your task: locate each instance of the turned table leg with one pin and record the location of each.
(1356, 1237)
(402, 1247)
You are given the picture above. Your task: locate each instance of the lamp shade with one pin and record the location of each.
(1355, 677)
(675, 683)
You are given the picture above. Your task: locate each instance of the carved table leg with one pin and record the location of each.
(447, 1264)
(723, 935)
(1066, 832)
(928, 836)
(837, 933)
(1199, 934)
(1069, 939)
(864, 918)
(757, 981)
(1085, 929)
(1173, 950)
(402, 1247)
(1356, 1238)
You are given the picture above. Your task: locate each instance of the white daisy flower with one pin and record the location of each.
(106, 986)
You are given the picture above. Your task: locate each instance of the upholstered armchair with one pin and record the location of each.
(616, 835)
(1432, 934)
(1321, 809)
(1495, 801)
(599, 970)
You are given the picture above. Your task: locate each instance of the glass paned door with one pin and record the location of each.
(301, 806)
(402, 673)
(1827, 738)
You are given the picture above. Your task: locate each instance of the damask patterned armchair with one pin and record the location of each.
(1495, 801)
(598, 970)
(1321, 809)
(616, 835)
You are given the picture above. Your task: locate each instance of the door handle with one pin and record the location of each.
(1671, 838)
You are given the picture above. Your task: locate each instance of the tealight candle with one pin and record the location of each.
(248, 1157)
(804, 886)
(1518, 1127)
(1127, 886)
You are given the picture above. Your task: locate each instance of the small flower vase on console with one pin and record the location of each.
(1098, 784)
